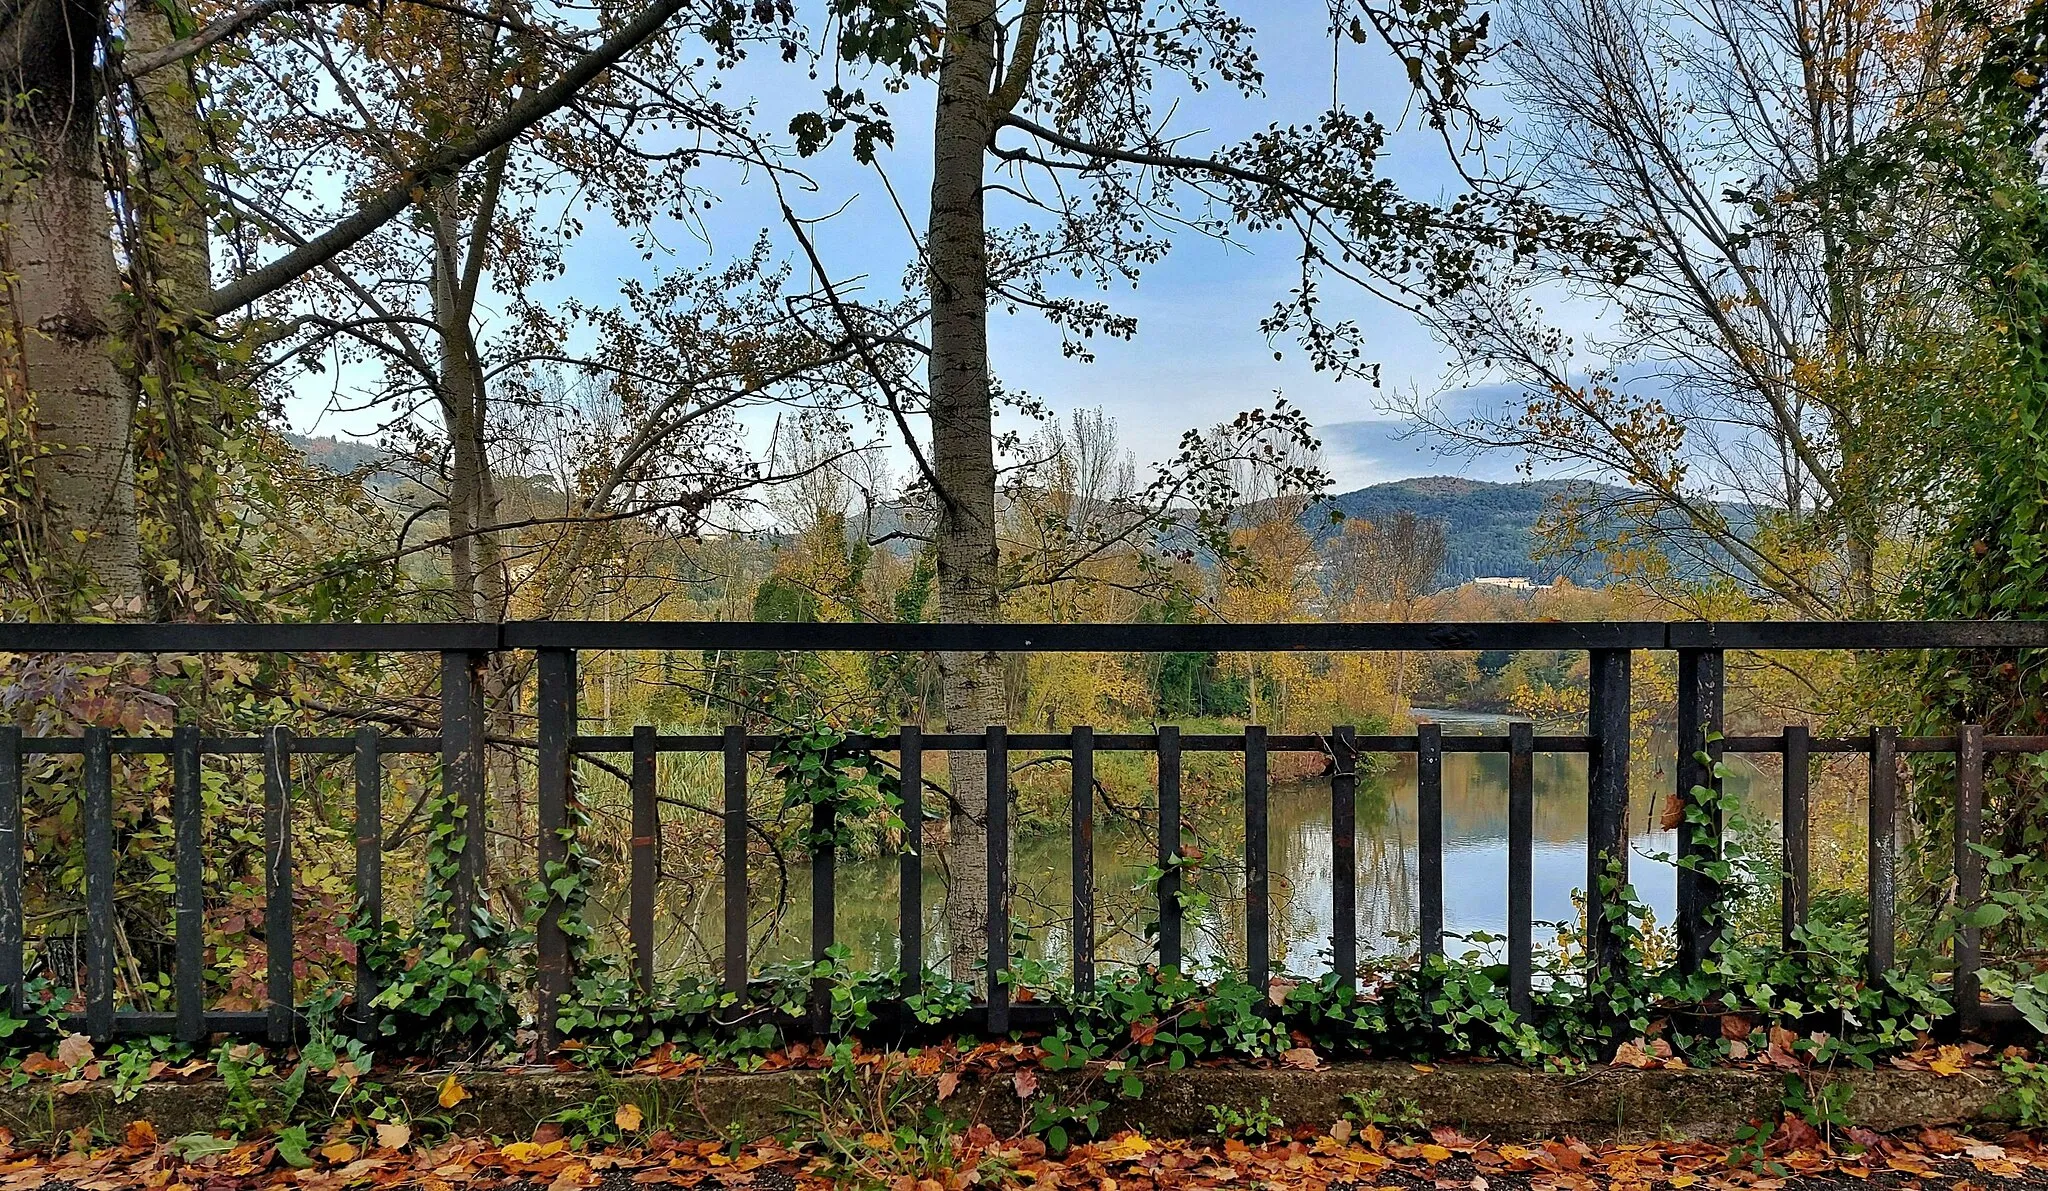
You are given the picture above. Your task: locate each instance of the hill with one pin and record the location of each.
(1489, 529)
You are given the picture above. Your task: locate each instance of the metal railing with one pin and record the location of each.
(464, 648)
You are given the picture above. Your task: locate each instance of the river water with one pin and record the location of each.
(1475, 871)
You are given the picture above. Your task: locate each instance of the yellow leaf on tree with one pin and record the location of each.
(628, 1117)
(452, 1092)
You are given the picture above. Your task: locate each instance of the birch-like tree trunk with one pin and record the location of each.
(62, 288)
(963, 450)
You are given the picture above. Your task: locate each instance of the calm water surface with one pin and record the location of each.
(1475, 871)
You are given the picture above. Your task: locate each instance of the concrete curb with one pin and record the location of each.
(1497, 1101)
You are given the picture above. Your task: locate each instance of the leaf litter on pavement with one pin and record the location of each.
(1312, 1159)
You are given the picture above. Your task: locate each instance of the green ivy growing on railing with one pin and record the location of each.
(441, 983)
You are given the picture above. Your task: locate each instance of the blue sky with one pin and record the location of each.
(1198, 356)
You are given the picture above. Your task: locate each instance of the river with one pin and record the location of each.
(1475, 870)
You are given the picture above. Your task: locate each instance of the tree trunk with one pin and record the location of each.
(460, 414)
(963, 451)
(173, 268)
(62, 303)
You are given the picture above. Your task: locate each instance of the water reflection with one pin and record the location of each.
(1475, 872)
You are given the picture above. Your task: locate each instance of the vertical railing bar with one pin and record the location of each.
(462, 776)
(188, 867)
(555, 709)
(1344, 855)
(910, 868)
(1700, 697)
(1969, 869)
(1429, 834)
(99, 884)
(1521, 865)
(1258, 940)
(277, 881)
(735, 753)
(1797, 835)
(824, 906)
(1607, 805)
(12, 963)
(998, 754)
(646, 826)
(1169, 848)
(1083, 842)
(1883, 850)
(369, 871)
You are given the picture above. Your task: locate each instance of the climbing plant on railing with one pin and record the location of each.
(816, 769)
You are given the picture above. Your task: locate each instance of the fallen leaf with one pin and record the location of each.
(75, 1052)
(1949, 1060)
(948, 1081)
(141, 1135)
(1674, 813)
(1633, 1054)
(628, 1117)
(392, 1136)
(338, 1152)
(1341, 1131)
(1302, 1058)
(452, 1092)
(1026, 1083)
(1432, 1152)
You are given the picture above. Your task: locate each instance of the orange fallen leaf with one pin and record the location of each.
(452, 1092)
(627, 1118)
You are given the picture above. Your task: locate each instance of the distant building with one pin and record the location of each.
(1510, 583)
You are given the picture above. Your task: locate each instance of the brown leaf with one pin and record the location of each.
(1026, 1083)
(1302, 1058)
(1735, 1027)
(392, 1136)
(627, 1118)
(1674, 813)
(948, 1081)
(75, 1052)
(141, 1135)
(1633, 1054)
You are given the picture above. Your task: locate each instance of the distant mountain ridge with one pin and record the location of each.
(1489, 528)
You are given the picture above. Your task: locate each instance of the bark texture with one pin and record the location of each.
(62, 301)
(172, 247)
(963, 449)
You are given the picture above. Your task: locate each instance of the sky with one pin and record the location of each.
(1198, 356)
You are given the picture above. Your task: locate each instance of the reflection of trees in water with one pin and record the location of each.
(1299, 829)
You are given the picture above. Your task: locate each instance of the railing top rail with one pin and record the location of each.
(1334, 637)
(249, 638)
(1857, 634)
(1086, 638)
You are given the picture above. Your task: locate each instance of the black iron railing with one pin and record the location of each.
(464, 648)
